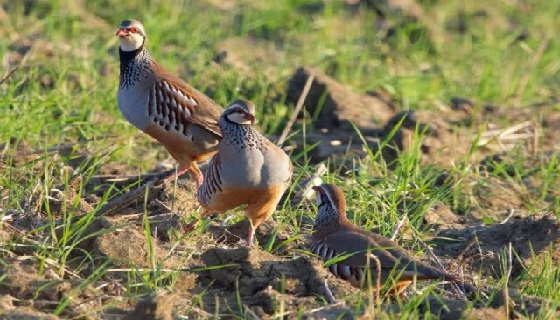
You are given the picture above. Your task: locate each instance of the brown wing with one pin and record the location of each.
(388, 253)
(176, 102)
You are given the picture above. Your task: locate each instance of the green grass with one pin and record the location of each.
(64, 92)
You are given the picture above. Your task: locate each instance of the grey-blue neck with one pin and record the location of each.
(135, 65)
(240, 136)
(327, 215)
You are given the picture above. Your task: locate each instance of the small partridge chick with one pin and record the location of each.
(162, 105)
(247, 170)
(334, 235)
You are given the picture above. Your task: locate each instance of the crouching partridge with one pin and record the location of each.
(387, 263)
(162, 105)
(247, 170)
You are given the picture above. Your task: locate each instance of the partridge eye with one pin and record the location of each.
(132, 29)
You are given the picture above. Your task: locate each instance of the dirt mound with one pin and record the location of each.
(23, 286)
(446, 135)
(480, 248)
(262, 281)
(129, 246)
(450, 132)
(440, 216)
(340, 106)
(269, 234)
(84, 235)
(158, 307)
(64, 197)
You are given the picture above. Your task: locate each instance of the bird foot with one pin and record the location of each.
(190, 227)
(250, 237)
(248, 243)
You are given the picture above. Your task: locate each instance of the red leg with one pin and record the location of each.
(197, 175)
(176, 175)
(250, 236)
(191, 226)
(200, 180)
(184, 170)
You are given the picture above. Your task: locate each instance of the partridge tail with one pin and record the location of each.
(426, 272)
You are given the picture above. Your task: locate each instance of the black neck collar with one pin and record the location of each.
(127, 56)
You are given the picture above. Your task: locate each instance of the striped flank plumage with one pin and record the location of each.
(164, 106)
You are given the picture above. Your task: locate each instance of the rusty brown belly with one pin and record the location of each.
(200, 146)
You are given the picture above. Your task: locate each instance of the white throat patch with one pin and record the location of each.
(132, 42)
(238, 118)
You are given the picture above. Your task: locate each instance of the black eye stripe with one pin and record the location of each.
(237, 110)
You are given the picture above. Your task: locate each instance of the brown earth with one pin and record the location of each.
(217, 270)
(254, 282)
(229, 278)
(216, 274)
(480, 248)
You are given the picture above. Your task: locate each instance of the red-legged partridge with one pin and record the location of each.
(162, 105)
(247, 170)
(335, 236)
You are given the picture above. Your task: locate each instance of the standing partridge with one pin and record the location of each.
(247, 170)
(162, 105)
(335, 236)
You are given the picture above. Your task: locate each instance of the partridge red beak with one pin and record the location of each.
(121, 33)
(250, 117)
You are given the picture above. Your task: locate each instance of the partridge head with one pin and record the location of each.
(247, 170)
(131, 35)
(370, 255)
(241, 112)
(181, 118)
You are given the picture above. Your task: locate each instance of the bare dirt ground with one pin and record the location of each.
(223, 276)
(258, 280)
